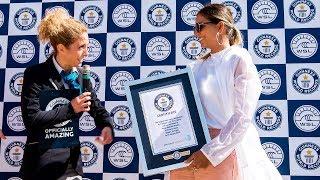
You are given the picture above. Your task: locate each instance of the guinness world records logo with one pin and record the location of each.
(14, 119)
(25, 18)
(163, 102)
(274, 153)
(89, 153)
(302, 11)
(123, 49)
(270, 81)
(304, 45)
(268, 117)
(308, 156)
(264, 11)
(92, 16)
(159, 15)
(266, 46)
(120, 154)
(191, 48)
(13, 153)
(16, 83)
(189, 12)
(121, 117)
(124, 15)
(307, 118)
(235, 9)
(305, 81)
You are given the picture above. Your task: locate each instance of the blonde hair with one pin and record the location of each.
(58, 27)
(219, 12)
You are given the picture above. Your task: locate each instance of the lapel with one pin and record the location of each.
(54, 74)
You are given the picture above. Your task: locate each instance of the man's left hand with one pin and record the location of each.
(105, 137)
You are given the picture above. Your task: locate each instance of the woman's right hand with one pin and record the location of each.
(81, 103)
(198, 161)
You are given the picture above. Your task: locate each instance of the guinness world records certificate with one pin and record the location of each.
(168, 120)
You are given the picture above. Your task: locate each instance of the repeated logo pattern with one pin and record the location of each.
(130, 40)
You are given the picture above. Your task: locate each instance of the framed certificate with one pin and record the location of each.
(168, 120)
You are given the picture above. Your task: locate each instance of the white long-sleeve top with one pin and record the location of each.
(229, 89)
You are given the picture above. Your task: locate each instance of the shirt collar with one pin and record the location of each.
(58, 67)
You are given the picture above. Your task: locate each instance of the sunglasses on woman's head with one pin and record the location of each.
(199, 26)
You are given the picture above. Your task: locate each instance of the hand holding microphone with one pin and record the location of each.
(86, 79)
(106, 133)
(82, 102)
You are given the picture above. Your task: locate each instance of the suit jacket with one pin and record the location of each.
(50, 163)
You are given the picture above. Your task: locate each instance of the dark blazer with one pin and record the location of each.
(50, 163)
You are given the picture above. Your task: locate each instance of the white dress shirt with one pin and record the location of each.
(229, 89)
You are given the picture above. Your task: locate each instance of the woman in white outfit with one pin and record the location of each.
(229, 89)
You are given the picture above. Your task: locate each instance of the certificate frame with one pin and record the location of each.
(155, 163)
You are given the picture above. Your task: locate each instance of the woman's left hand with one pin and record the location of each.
(198, 160)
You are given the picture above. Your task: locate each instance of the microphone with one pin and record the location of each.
(86, 79)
